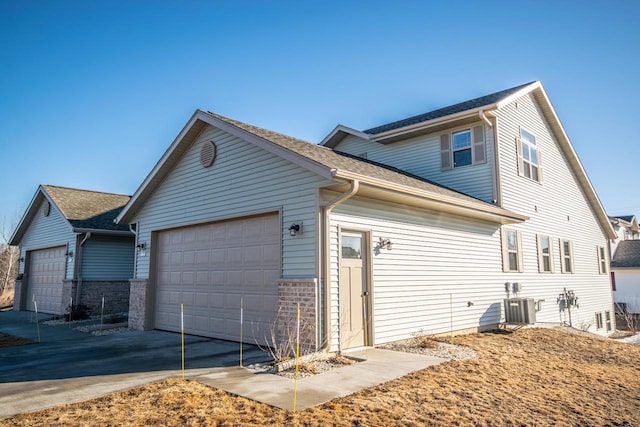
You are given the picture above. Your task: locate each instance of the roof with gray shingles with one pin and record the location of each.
(627, 254)
(446, 111)
(87, 209)
(336, 160)
(627, 218)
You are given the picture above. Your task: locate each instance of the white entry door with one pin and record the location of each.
(353, 290)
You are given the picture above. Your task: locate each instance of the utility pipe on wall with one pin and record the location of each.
(79, 251)
(326, 255)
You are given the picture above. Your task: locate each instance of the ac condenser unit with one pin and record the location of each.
(520, 311)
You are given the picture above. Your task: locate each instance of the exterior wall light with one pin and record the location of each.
(385, 244)
(294, 229)
(69, 254)
(21, 259)
(141, 246)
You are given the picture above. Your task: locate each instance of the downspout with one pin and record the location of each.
(326, 257)
(135, 242)
(79, 251)
(497, 192)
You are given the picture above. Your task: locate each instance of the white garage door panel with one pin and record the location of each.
(46, 274)
(210, 267)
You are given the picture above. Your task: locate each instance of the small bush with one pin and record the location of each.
(78, 312)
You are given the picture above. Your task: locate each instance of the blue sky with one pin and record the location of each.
(93, 92)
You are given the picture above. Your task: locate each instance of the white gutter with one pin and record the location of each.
(433, 122)
(326, 257)
(486, 120)
(441, 199)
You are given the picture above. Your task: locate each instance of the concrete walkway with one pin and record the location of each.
(69, 366)
(379, 367)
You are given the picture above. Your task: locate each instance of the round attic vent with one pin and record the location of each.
(47, 208)
(207, 153)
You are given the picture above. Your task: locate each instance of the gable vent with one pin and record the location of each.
(207, 154)
(47, 208)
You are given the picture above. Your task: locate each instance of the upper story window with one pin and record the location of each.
(602, 260)
(463, 148)
(528, 156)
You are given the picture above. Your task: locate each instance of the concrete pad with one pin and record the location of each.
(379, 367)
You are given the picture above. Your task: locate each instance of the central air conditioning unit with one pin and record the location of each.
(521, 311)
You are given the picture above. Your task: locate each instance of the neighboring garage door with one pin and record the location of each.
(46, 273)
(209, 268)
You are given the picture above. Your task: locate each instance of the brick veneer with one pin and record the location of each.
(116, 295)
(139, 309)
(292, 292)
(17, 296)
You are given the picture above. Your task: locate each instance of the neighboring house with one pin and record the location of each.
(411, 227)
(71, 250)
(625, 263)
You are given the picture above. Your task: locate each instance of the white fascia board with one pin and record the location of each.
(339, 132)
(203, 116)
(464, 207)
(30, 213)
(379, 137)
(575, 162)
(273, 148)
(525, 90)
(103, 232)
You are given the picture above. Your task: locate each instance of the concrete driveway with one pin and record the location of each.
(66, 360)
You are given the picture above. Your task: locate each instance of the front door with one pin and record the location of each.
(353, 295)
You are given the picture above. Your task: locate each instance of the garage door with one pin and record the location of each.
(209, 268)
(46, 273)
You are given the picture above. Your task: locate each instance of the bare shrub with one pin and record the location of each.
(631, 320)
(282, 334)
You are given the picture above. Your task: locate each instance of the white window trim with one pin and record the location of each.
(506, 267)
(602, 259)
(564, 257)
(454, 150)
(520, 154)
(541, 254)
(478, 147)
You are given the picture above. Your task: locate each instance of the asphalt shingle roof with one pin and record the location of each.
(452, 109)
(336, 160)
(627, 254)
(627, 218)
(88, 209)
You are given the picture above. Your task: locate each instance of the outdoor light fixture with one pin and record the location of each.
(69, 254)
(294, 229)
(141, 246)
(21, 259)
(385, 244)
(470, 304)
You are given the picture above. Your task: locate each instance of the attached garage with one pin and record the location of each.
(210, 267)
(46, 274)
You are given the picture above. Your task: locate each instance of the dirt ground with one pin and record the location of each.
(530, 377)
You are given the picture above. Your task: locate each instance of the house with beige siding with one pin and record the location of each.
(72, 252)
(416, 226)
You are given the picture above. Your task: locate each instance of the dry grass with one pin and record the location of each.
(530, 377)
(11, 341)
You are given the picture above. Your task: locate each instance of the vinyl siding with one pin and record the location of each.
(46, 232)
(557, 207)
(628, 288)
(434, 258)
(243, 180)
(107, 258)
(421, 156)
